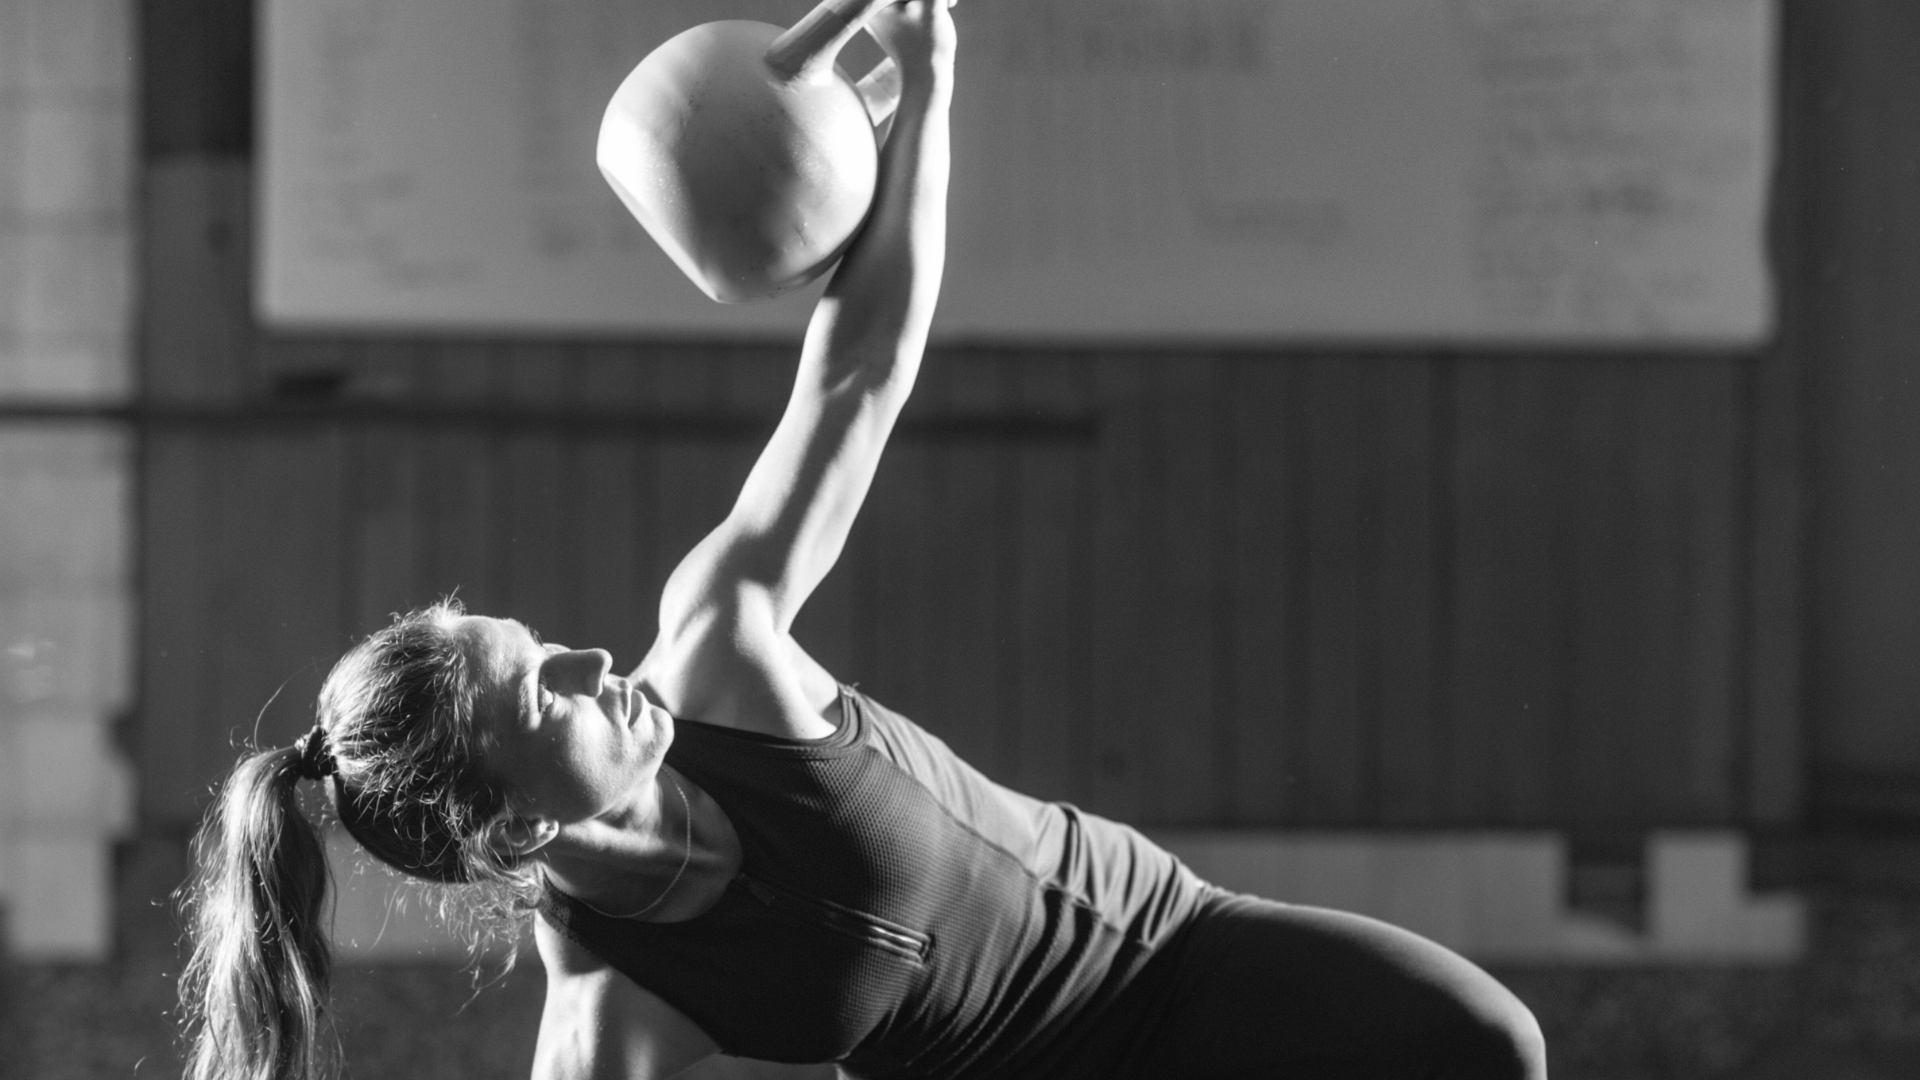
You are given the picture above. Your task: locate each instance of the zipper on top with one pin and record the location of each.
(842, 920)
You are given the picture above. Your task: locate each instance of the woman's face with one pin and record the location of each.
(571, 740)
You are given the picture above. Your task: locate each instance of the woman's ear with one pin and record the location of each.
(518, 837)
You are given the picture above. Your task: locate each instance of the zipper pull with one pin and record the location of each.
(760, 892)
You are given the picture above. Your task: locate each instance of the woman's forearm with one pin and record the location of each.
(872, 324)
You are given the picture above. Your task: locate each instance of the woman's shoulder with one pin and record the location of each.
(740, 675)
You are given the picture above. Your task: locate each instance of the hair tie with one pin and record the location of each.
(316, 757)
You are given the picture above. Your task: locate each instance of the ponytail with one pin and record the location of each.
(255, 991)
(397, 745)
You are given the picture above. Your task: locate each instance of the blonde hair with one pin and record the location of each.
(408, 780)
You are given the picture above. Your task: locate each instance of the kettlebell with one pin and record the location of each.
(746, 152)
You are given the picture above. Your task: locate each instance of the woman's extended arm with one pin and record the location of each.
(748, 579)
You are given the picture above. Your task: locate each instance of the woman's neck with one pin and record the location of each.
(666, 857)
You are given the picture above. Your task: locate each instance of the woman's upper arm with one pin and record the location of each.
(600, 1025)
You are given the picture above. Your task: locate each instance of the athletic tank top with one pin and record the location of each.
(895, 910)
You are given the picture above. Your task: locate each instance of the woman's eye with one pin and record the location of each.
(545, 700)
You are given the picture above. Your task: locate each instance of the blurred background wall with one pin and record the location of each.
(1595, 594)
(67, 237)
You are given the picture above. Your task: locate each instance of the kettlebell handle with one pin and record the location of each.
(815, 40)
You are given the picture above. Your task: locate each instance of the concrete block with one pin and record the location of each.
(13, 126)
(69, 514)
(70, 46)
(1695, 886)
(77, 291)
(15, 55)
(67, 453)
(67, 653)
(13, 264)
(11, 782)
(59, 902)
(1698, 905)
(1517, 882)
(1775, 928)
(74, 169)
(69, 780)
(1428, 889)
(1584, 939)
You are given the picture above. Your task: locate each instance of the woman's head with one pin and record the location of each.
(460, 743)
(409, 781)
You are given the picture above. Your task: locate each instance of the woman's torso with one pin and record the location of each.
(895, 910)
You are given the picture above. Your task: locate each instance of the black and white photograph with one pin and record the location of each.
(960, 539)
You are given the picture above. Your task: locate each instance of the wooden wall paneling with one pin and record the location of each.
(1600, 755)
(1771, 762)
(1051, 527)
(540, 497)
(1340, 736)
(196, 340)
(381, 496)
(460, 502)
(1511, 617)
(381, 507)
(1653, 763)
(1185, 625)
(972, 689)
(1704, 529)
(1864, 624)
(1409, 747)
(179, 733)
(196, 69)
(1444, 507)
(1122, 611)
(618, 591)
(1267, 420)
(998, 396)
(275, 535)
(692, 479)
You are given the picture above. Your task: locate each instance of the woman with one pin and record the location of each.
(729, 851)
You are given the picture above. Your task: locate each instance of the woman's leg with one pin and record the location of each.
(1274, 990)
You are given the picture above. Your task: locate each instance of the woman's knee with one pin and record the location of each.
(1499, 1043)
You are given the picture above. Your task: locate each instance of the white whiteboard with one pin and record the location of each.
(1556, 171)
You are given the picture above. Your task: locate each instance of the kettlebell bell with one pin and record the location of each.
(746, 152)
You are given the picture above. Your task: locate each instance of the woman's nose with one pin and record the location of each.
(602, 667)
(586, 670)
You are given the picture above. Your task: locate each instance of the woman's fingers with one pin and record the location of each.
(913, 31)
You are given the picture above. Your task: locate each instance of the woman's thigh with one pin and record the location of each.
(1276, 990)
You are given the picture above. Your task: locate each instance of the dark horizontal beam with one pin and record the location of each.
(488, 419)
